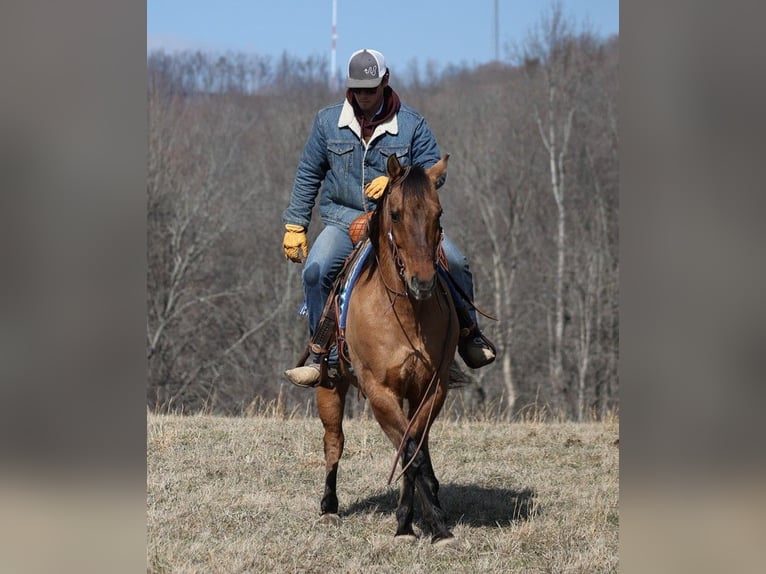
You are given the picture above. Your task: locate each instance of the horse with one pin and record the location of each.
(401, 335)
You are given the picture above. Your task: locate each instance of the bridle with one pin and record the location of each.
(392, 244)
(394, 250)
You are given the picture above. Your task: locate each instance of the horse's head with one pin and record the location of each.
(409, 218)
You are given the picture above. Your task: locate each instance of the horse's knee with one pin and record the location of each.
(412, 455)
(333, 447)
(333, 444)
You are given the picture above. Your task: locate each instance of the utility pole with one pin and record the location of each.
(334, 38)
(497, 33)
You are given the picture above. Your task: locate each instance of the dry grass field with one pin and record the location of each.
(242, 495)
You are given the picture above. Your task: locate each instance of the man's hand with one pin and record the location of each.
(376, 187)
(295, 244)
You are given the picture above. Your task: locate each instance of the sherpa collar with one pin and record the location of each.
(347, 119)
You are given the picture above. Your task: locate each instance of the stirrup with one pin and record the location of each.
(475, 348)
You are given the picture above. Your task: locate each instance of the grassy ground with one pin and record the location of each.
(242, 495)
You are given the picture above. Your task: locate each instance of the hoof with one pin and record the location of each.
(445, 540)
(405, 538)
(330, 518)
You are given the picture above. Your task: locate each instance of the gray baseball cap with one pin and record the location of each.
(366, 69)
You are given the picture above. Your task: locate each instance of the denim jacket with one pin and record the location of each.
(336, 158)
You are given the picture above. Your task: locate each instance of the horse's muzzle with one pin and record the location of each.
(421, 290)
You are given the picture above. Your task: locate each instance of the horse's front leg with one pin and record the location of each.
(429, 477)
(331, 404)
(406, 505)
(423, 476)
(428, 489)
(387, 407)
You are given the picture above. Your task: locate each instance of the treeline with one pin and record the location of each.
(531, 197)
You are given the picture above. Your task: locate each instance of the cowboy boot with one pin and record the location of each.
(307, 376)
(310, 374)
(473, 346)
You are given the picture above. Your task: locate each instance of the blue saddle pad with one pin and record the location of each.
(353, 275)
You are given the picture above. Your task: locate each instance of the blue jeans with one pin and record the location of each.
(330, 250)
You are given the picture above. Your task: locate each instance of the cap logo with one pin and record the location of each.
(371, 71)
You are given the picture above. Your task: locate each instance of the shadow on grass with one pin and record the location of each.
(465, 504)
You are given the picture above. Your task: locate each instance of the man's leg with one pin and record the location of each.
(475, 349)
(322, 265)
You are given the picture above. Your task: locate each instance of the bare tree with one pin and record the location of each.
(221, 298)
(193, 191)
(554, 67)
(490, 177)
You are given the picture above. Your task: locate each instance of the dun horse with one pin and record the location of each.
(401, 330)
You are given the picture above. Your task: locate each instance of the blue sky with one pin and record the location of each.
(441, 31)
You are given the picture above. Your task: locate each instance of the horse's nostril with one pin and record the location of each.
(422, 289)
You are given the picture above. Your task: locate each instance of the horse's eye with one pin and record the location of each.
(395, 216)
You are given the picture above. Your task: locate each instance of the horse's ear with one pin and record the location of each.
(393, 167)
(437, 170)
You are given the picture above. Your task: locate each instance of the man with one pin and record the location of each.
(346, 155)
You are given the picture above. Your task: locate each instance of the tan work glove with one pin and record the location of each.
(295, 243)
(376, 187)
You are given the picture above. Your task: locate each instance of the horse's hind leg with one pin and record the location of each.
(331, 404)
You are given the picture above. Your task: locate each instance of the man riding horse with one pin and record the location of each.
(346, 155)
